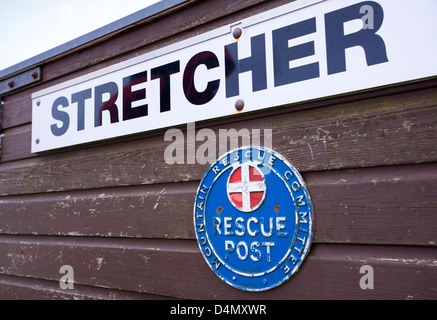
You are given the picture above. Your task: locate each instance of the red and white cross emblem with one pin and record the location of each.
(246, 188)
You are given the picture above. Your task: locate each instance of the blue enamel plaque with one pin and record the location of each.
(253, 218)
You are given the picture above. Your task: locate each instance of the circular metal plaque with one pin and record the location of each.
(253, 218)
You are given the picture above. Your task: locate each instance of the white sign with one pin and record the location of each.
(300, 51)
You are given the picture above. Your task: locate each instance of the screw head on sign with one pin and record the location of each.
(237, 33)
(34, 74)
(239, 105)
(11, 84)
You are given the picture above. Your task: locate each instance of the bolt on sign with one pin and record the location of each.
(304, 50)
(253, 218)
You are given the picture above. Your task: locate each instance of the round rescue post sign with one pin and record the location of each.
(253, 218)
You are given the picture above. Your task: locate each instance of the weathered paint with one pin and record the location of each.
(122, 217)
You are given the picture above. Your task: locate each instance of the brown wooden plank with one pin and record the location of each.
(17, 109)
(387, 130)
(385, 205)
(16, 143)
(403, 130)
(157, 211)
(18, 288)
(176, 268)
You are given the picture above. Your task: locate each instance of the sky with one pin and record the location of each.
(31, 27)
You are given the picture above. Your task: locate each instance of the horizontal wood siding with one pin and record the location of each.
(382, 205)
(176, 267)
(22, 288)
(122, 217)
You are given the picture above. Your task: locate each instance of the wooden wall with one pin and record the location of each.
(122, 217)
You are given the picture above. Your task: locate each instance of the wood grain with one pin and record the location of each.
(19, 288)
(176, 268)
(386, 205)
(17, 109)
(383, 205)
(158, 211)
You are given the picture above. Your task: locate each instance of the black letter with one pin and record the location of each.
(61, 116)
(129, 96)
(80, 98)
(256, 63)
(163, 73)
(337, 42)
(210, 60)
(100, 106)
(282, 54)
